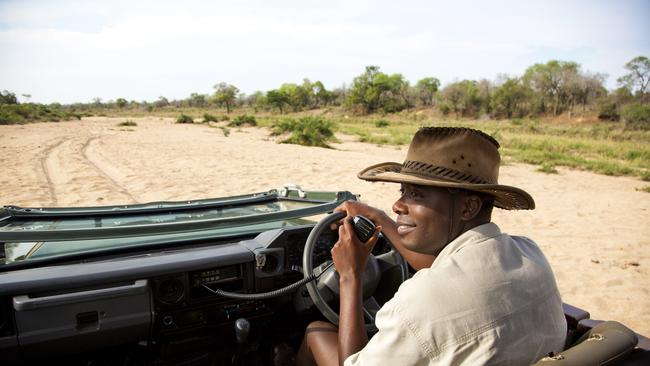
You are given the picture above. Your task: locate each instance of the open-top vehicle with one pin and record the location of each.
(210, 282)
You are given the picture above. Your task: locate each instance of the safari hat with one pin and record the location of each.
(456, 158)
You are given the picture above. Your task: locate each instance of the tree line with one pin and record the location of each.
(549, 88)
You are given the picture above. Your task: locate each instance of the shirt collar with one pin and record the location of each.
(473, 235)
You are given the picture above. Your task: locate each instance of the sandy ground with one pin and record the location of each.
(594, 229)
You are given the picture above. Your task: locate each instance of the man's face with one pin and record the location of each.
(423, 217)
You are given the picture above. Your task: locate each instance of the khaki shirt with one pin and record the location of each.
(488, 299)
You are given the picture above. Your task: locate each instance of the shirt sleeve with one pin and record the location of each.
(394, 344)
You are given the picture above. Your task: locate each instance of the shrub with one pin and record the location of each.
(382, 123)
(307, 131)
(207, 117)
(184, 119)
(127, 123)
(608, 111)
(244, 119)
(224, 117)
(636, 116)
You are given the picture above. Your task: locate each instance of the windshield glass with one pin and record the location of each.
(32, 234)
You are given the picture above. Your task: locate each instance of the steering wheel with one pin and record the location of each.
(326, 288)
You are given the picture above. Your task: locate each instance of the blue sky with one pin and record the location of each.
(74, 51)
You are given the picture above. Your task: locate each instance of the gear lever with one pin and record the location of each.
(242, 330)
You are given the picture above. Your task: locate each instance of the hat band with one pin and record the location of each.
(439, 172)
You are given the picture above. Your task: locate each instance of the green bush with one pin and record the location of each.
(636, 116)
(445, 109)
(244, 119)
(207, 117)
(224, 117)
(184, 119)
(608, 111)
(381, 123)
(25, 113)
(127, 123)
(307, 131)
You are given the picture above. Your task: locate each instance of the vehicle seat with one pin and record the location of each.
(607, 343)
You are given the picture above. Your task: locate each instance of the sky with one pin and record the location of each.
(71, 51)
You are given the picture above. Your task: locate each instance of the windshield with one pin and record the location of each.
(29, 234)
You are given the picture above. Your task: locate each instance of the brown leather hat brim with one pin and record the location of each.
(505, 197)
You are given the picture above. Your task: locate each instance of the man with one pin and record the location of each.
(479, 296)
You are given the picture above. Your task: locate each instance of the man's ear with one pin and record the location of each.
(471, 207)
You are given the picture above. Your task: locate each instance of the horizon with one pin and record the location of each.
(71, 51)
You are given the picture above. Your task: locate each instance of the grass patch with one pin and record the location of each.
(644, 189)
(127, 123)
(306, 131)
(243, 119)
(183, 118)
(547, 168)
(225, 130)
(381, 123)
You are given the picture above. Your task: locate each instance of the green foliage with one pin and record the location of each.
(307, 131)
(121, 102)
(7, 97)
(645, 189)
(382, 123)
(225, 95)
(509, 99)
(225, 130)
(127, 123)
(197, 100)
(243, 119)
(224, 117)
(608, 111)
(552, 81)
(277, 98)
(183, 118)
(375, 91)
(207, 117)
(463, 98)
(636, 116)
(426, 88)
(25, 113)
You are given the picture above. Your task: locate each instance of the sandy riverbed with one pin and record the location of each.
(594, 229)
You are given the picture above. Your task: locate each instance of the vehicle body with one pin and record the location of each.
(135, 284)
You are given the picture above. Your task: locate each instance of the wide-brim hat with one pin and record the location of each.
(456, 158)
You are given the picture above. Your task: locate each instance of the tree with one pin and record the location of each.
(638, 76)
(508, 99)
(463, 98)
(121, 102)
(277, 98)
(198, 100)
(426, 88)
(225, 94)
(161, 102)
(7, 97)
(550, 81)
(374, 90)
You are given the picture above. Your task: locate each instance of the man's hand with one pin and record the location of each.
(350, 255)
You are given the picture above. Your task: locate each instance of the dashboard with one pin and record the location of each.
(157, 300)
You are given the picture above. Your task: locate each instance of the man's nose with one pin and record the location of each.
(399, 207)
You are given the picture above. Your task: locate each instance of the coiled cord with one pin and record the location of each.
(271, 294)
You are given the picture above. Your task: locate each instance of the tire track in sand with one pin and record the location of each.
(105, 169)
(74, 175)
(43, 162)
